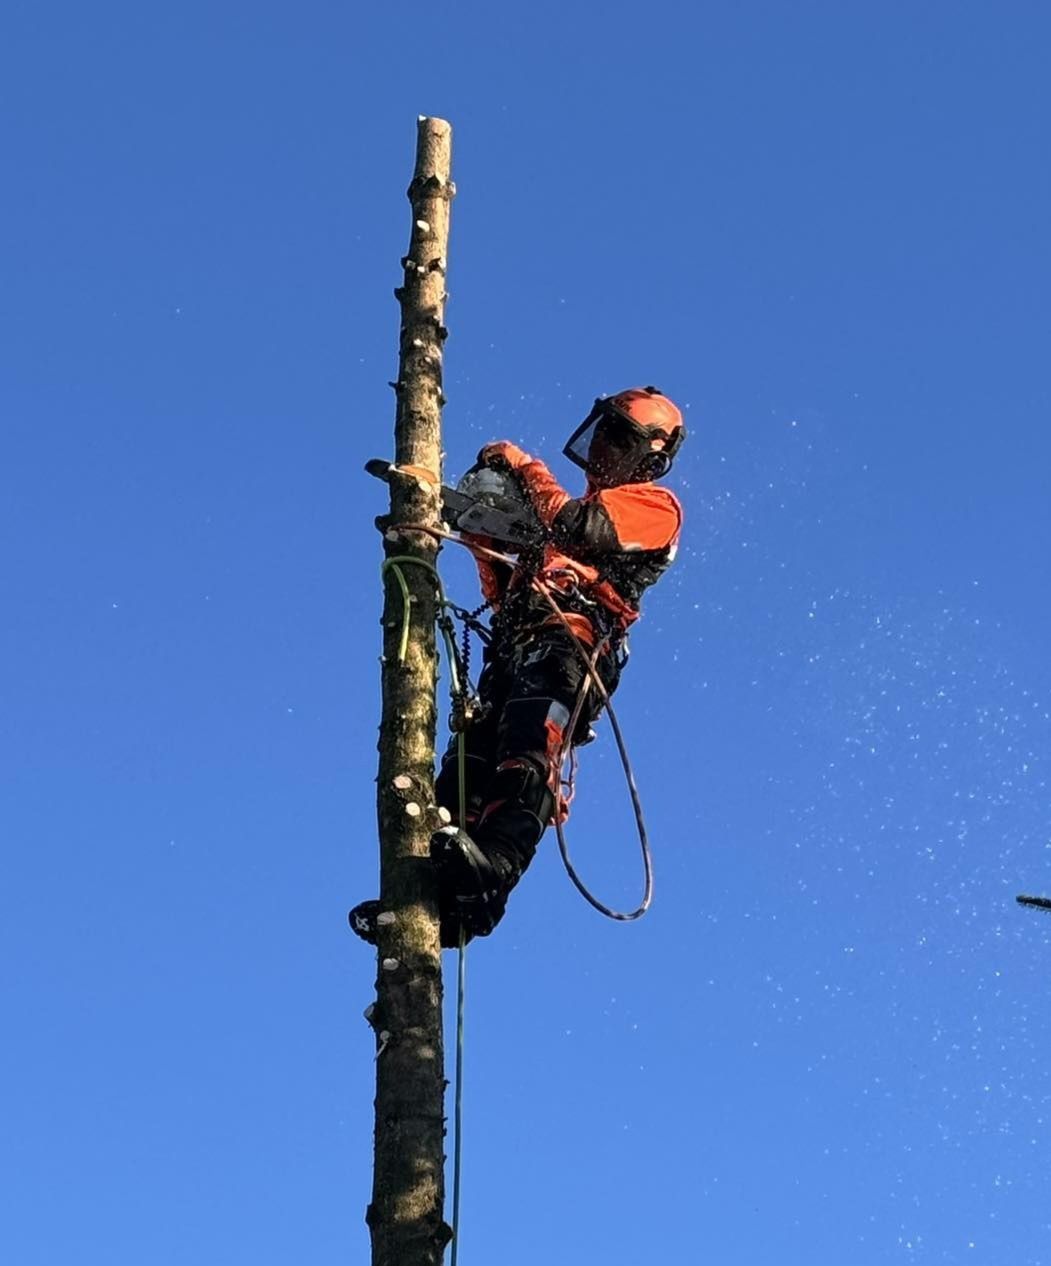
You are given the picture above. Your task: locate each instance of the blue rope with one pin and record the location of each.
(461, 973)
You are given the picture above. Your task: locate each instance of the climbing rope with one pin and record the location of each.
(563, 801)
(461, 992)
(394, 563)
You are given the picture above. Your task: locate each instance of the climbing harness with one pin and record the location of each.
(592, 679)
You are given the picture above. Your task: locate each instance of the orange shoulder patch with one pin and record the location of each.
(644, 516)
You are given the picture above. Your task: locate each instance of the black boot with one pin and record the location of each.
(473, 885)
(476, 872)
(364, 921)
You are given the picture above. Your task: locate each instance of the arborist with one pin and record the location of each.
(598, 553)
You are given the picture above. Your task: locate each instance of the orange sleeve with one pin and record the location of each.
(545, 492)
(643, 516)
(503, 453)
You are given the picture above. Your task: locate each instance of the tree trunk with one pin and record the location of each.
(405, 1216)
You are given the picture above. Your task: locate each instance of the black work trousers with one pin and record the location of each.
(529, 687)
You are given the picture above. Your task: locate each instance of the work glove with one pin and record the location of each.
(542, 488)
(503, 455)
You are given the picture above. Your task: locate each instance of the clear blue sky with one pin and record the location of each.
(824, 228)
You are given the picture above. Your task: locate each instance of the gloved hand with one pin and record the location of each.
(503, 455)
(545, 493)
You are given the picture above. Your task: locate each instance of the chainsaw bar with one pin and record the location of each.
(465, 514)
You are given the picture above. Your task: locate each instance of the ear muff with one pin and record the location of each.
(653, 466)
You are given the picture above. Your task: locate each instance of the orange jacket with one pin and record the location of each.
(609, 545)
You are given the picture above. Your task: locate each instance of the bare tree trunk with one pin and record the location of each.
(405, 1216)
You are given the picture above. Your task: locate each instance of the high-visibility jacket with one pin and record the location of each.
(607, 546)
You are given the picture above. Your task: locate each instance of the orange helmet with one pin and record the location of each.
(631, 437)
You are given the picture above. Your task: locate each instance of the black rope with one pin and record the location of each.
(471, 623)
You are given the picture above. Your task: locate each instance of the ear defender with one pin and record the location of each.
(655, 466)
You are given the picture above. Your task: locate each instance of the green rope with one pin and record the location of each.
(394, 564)
(406, 597)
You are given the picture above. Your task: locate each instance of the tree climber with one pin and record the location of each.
(600, 552)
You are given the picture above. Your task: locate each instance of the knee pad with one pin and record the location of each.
(534, 729)
(519, 784)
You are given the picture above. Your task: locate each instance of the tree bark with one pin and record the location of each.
(405, 1217)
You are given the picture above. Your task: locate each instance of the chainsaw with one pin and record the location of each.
(485, 502)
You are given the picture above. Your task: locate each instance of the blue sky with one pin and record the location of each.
(823, 229)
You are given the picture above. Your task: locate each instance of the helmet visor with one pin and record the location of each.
(609, 445)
